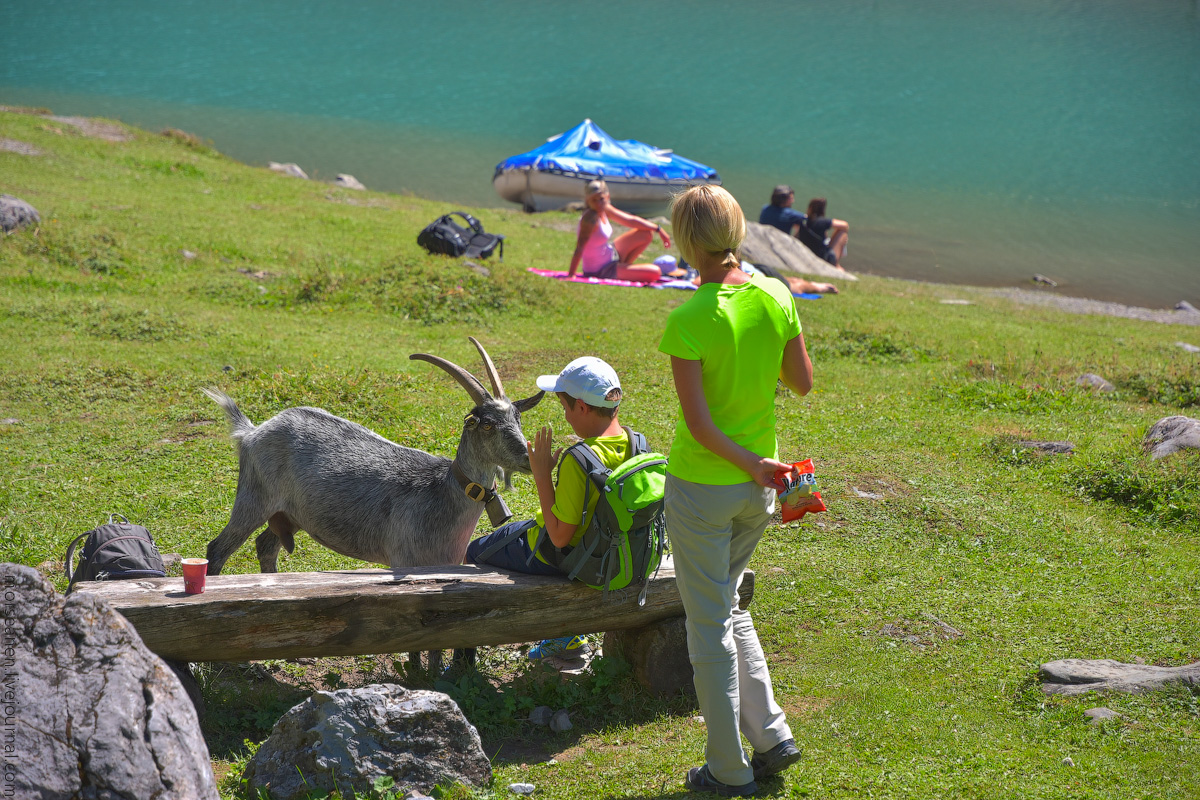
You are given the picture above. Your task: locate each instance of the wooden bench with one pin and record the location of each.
(367, 611)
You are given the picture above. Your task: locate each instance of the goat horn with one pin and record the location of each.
(466, 379)
(493, 376)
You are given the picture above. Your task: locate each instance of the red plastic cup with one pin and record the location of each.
(194, 572)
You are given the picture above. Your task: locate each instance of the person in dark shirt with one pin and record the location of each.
(779, 212)
(824, 236)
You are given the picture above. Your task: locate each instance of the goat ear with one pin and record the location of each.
(529, 402)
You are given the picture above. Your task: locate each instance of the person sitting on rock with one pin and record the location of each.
(824, 236)
(779, 212)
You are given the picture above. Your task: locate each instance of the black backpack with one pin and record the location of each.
(114, 551)
(445, 236)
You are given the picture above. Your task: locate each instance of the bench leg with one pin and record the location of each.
(658, 654)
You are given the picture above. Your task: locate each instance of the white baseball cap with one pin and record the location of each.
(587, 378)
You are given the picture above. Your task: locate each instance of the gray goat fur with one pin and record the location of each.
(359, 494)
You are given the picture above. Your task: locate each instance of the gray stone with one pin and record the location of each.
(16, 213)
(19, 147)
(348, 182)
(1042, 279)
(1184, 305)
(187, 254)
(1100, 713)
(1076, 676)
(1170, 435)
(287, 169)
(348, 739)
(1095, 381)
(521, 788)
(1191, 348)
(97, 714)
(865, 495)
(1068, 762)
(1053, 448)
(541, 716)
(658, 653)
(561, 721)
(766, 244)
(10, 421)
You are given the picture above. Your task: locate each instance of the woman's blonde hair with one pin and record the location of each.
(707, 220)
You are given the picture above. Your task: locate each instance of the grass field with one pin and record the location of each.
(297, 293)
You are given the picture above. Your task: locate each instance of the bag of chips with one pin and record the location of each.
(799, 495)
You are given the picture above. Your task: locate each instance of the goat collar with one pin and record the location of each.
(498, 512)
(475, 491)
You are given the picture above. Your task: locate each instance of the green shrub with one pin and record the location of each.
(1166, 491)
(867, 346)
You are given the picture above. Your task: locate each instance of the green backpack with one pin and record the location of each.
(626, 539)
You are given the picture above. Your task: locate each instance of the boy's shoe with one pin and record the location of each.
(775, 760)
(699, 779)
(562, 647)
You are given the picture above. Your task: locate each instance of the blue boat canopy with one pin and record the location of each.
(587, 150)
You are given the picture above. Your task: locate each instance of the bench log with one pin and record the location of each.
(368, 611)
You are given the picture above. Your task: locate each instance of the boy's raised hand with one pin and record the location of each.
(542, 456)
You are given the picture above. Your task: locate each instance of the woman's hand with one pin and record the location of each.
(542, 455)
(763, 471)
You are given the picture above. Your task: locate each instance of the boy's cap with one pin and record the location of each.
(587, 378)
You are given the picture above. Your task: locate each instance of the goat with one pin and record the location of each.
(361, 495)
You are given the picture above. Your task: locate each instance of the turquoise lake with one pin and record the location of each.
(973, 143)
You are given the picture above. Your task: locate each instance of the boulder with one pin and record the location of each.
(348, 739)
(287, 169)
(766, 244)
(1077, 675)
(1094, 381)
(97, 714)
(1050, 448)
(348, 182)
(16, 213)
(1170, 435)
(658, 653)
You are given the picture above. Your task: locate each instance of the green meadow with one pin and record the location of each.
(294, 292)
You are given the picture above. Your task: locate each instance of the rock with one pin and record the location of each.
(561, 721)
(766, 244)
(16, 213)
(10, 421)
(415, 794)
(348, 739)
(287, 169)
(1095, 381)
(98, 715)
(187, 254)
(1076, 676)
(1184, 305)
(478, 268)
(1100, 713)
(18, 147)
(956, 302)
(348, 182)
(1191, 348)
(521, 788)
(1170, 435)
(658, 653)
(1068, 762)
(1042, 279)
(541, 716)
(1053, 448)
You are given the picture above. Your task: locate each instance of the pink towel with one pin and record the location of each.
(562, 276)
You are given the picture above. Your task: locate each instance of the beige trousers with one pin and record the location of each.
(713, 532)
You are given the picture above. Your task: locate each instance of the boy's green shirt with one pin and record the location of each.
(737, 332)
(568, 490)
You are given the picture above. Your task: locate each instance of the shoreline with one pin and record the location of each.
(113, 131)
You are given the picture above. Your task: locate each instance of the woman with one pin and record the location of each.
(602, 258)
(728, 344)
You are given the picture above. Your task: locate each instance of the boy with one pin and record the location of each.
(590, 394)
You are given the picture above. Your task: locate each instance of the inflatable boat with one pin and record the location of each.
(641, 178)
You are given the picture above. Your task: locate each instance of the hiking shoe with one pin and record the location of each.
(699, 779)
(563, 647)
(775, 760)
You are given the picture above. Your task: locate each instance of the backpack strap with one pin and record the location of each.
(637, 442)
(70, 557)
(474, 223)
(517, 532)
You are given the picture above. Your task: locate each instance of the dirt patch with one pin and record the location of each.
(805, 707)
(21, 148)
(96, 129)
(925, 633)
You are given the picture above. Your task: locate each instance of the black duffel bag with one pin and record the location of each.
(444, 236)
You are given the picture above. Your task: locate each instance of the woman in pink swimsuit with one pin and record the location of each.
(604, 257)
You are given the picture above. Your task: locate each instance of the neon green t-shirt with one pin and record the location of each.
(737, 332)
(568, 490)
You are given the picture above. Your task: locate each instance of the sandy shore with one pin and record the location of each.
(1079, 305)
